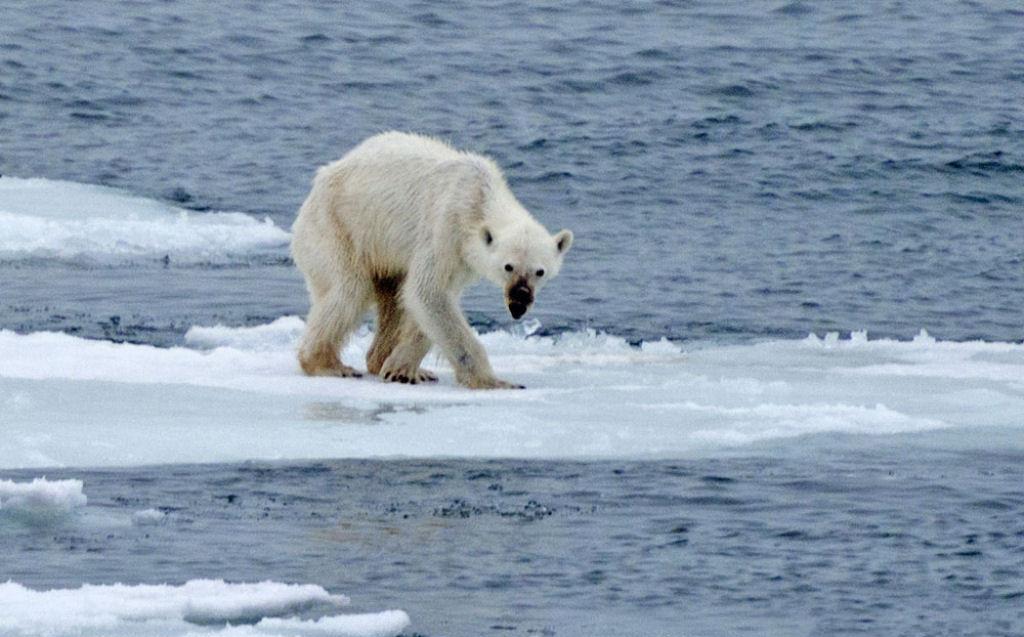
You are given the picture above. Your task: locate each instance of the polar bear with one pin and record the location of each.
(406, 222)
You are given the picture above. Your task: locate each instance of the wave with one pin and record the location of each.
(207, 607)
(235, 394)
(67, 221)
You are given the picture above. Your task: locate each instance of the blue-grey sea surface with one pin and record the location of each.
(908, 540)
(732, 170)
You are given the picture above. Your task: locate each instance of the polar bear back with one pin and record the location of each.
(383, 198)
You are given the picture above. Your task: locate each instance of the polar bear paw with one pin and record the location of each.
(491, 382)
(339, 371)
(406, 374)
(325, 362)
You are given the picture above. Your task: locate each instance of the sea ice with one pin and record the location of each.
(40, 497)
(148, 517)
(197, 607)
(234, 394)
(67, 220)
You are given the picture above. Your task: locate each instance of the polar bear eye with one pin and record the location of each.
(540, 272)
(508, 267)
(488, 239)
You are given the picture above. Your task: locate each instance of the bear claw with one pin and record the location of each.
(408, 378)
(491, 383)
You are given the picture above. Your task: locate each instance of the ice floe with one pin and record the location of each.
(43, 218)
(197, 607)
(148, 517)
(234, 394)
(40, 499)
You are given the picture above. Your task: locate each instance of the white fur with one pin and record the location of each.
(412, 209)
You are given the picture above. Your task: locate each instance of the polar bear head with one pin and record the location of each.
(519, 256)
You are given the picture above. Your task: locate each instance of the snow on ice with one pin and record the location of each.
(43, 218)
(233, 394)
(198, 607)
(40, 501)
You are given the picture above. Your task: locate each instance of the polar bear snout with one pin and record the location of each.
(519, 297)
(517, 309)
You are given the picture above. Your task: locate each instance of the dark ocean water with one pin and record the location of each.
(732, 170)
(848, 543)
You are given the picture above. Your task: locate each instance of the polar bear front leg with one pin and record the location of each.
(437, 313)
(403, 363)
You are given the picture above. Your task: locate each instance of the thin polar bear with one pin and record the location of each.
(407, 222)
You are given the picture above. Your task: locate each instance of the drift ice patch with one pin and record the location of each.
(234, 394)
(197, 607)
(62, 220)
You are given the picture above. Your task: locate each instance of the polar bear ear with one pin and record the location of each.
(564, 241)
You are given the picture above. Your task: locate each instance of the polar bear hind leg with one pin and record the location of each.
(399, 346)
(389, 314)
(334, 315)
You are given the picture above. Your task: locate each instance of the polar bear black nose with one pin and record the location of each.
(521, 294)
